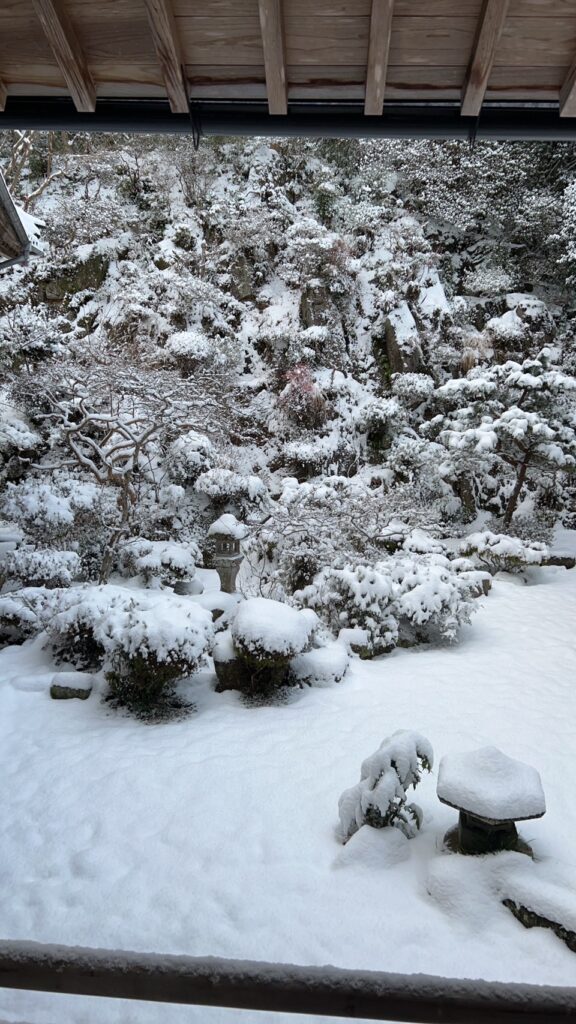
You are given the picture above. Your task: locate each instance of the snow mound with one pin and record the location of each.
(270, 627)
(321, 666)
(223, 649)
(490, 784)
(374, 849)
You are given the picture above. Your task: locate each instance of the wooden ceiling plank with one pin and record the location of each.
(568, 93)
(378, 50)
(488, 35)
(272, 30)
(167, 46)
(68, 53)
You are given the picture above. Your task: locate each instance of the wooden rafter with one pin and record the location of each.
(568, 93)
(68, 53)
(488, 35)
(378, 49)
(167, 46)
(274, 60)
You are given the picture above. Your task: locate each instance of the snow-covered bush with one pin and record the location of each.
(24, 613)
(145, 641)
(301, 400)
(223, 485)
(265, 635)
(498, 552)
(487, 280)
(407, 599)
(40, 568)
(19, 444)
(159, 559)
(189, 349)
(380, 798)
(432, 600)
(188, 456)
(359, 596)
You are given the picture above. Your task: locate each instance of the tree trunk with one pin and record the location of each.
(513, 500)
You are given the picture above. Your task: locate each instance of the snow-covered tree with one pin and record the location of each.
(380, 798)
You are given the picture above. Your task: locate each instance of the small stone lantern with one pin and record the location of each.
(225, 555)
(492, 792)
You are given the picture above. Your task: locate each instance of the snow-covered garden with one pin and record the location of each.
(287, 549)
(219, 833)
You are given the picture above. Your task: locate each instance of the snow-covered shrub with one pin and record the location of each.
(23, 613)
(159, 559)
(407, 599)
(380, 798)
(359, 596)
(19, 444)
(301, 400)
(188, 456)
(265, 635)
(499, 552)
(268, 630)
(145, 641)
(189, 349)
(223, 485)
(486, 280)
(50, 509)
(432, 600)
(40, 568)
(412, 389)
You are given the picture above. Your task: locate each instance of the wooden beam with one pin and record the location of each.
(167, 46)
(568, 93)
(378, 49)
(488, 35)
(3, 95)
(68, 53)
(274, 61)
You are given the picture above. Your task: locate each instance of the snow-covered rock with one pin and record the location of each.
(322, 666)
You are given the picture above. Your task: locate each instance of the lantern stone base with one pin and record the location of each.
(476, 836)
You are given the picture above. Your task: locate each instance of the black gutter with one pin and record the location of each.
(284, 988)
(522, 122)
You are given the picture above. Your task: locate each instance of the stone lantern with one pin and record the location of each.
(492, 792)
(223, 552)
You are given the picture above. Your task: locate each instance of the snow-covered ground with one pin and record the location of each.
(217, 834)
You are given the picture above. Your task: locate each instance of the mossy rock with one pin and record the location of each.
(86, 276)
(251, 675)
(530, 919)
(69, 692)
(315, 306)
(232, 675)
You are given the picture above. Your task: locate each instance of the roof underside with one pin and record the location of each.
(14, 243)
(367, 56)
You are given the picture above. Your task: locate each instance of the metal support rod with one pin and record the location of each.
(321, 991)
(320, 120)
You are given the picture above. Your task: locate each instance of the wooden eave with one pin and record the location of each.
(368, 55)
